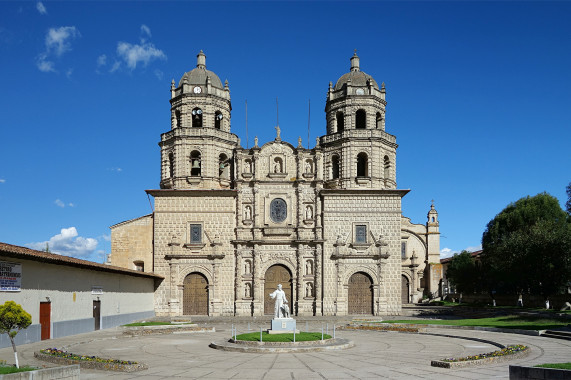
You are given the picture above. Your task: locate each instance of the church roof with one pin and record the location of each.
(198, 75)
(357, 77)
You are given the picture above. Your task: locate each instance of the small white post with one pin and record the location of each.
(327, 328)
(294, 335)
(232, 333)
(322, 331)
(260, 334)
(249, 326)
(334, 331)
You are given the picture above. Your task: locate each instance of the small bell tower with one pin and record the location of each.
(197, 152)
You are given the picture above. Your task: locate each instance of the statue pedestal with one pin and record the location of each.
(283, 326)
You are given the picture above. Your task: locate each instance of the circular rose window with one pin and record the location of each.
(278, 210)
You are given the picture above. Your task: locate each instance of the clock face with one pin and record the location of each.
(197, 90)
(360, 91)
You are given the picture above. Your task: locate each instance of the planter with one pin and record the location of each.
(483, 361)
(91, 364)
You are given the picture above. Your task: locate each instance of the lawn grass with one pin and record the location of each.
(300, 337)
(555, 365)
(153, 323)
(505, 322)
(11, 369)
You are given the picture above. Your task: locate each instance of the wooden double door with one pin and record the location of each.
(360, 295)
(277, 274)
(195, 295)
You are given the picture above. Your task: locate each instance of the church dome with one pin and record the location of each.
(357, 77)
(198, 75)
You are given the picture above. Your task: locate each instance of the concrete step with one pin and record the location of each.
(557, 334)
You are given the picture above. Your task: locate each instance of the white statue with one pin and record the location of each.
(247, 213)
(281, 309)
(308, 213)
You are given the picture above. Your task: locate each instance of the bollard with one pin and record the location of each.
(260, 335)
(232, 332)
(334, 331)
(294, 336)
(322, 331)
(327, 328)
(249, 327)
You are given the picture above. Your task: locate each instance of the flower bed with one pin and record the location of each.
(506, 353)
(384, 328)
(53, 355)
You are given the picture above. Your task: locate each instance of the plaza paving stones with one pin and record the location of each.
(376, 355)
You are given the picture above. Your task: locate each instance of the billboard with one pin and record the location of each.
(10, 276)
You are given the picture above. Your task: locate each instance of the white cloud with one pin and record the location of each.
(118, 170)
(145, 30)
(106, 237)
(474, 248)
(68, 243)
(2, 180)
(101, 60)
(133, 54)
(41, 8)
(446, 252)
(60, 203)
(58, 39)
(159, 74)
(44, 65)
(68, 73)
(115, 67)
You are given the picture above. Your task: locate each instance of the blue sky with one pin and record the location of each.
(478, 97)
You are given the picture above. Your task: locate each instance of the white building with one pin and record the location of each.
(67, 296)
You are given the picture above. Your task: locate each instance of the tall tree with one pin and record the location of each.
(13, 319)
(527, 247)
(462, 272)
(568, 204)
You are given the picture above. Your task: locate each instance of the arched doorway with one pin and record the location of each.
(195, 295)
(277, 274)
(360, 294)
(405, 290)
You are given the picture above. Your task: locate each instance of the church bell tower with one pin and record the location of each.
(197, 152)
(358, 151)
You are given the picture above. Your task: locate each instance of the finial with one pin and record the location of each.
(330, 84)
(432, 204)
(299, 144)
(172, 82)
(256, 142)
(383, 85)
(201, 60)
(278, 132)
(355, 62)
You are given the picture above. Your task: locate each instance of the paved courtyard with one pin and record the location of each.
(375, 355)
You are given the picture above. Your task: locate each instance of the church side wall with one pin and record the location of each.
(131, 242)
(176, 257)
(381, 214)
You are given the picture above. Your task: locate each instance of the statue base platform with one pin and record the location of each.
(283, 326)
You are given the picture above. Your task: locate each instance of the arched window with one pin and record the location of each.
(218, 120)
(379, 121)
(195, 164)
(340, 121)
(362, 167)
(178, 120)
(223, 166)
(196, 118)
(171, 165)
(361, 119)
(335, 167)
(387, 165)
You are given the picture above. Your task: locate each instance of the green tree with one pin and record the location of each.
(462, 272)
(527, 247)
(568, 204)
(13, 319)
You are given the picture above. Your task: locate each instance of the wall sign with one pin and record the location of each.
(10, 276)
(97, 290)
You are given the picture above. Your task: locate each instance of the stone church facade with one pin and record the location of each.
(231, 223)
